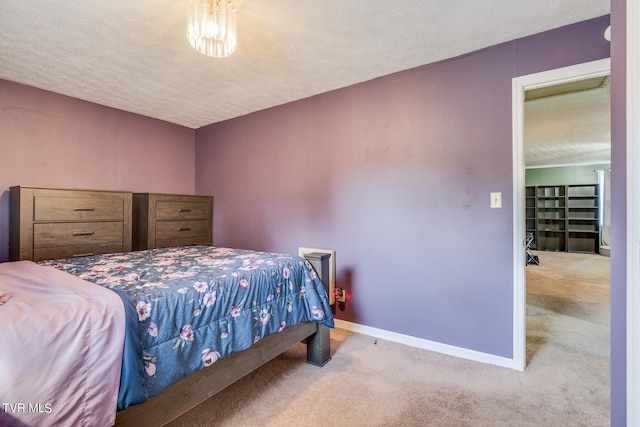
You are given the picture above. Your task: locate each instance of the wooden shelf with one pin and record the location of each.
(563, 217)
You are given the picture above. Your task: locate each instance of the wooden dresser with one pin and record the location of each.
(164, 220)
(51, 223)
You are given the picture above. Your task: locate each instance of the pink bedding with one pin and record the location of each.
(61, 344)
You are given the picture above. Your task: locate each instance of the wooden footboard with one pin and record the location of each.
(199, 386)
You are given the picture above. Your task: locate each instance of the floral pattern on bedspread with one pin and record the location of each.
(197, 304)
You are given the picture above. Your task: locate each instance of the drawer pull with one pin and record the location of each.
(184, 229)
(84, 233)
(77, 255)
(84, 209)
(184, 210)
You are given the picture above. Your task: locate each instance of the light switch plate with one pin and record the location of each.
(496, 200)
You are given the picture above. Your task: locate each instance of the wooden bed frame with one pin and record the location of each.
(201, 385)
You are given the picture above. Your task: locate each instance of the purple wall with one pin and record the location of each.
(52, 140)
(395, 175)
(618, 214)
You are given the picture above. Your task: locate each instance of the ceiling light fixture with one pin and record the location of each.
(211, 27)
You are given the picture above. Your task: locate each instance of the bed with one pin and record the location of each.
(191, 309)
(185, 310)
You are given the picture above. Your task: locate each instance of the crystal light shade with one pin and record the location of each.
(211, 27)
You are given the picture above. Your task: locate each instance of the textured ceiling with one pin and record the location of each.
(133, 55)
(562, 128)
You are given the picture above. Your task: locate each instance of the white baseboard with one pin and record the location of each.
(428, 345)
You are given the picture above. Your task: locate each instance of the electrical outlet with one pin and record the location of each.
(341, 295)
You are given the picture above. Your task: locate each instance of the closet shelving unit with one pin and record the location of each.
(564, 217)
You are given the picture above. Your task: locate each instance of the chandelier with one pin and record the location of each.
(211, 27)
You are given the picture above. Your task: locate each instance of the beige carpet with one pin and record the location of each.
(372, 382)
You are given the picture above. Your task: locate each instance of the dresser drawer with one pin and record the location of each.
(51, 235)
(181, 229)
(181, 210)
(187, 241)
(76, 209)
(40, 254)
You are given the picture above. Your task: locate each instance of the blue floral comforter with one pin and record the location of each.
(198, 304)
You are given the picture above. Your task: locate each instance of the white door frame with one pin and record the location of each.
(519, 86)
(633, 212)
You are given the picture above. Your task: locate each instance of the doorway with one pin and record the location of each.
(521, 85)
